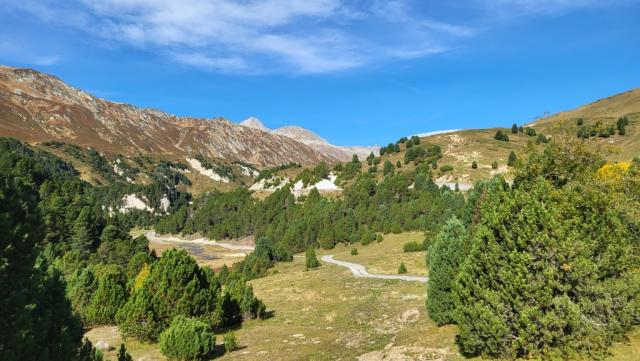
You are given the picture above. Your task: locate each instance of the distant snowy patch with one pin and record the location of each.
(436, 132)
(196, 165)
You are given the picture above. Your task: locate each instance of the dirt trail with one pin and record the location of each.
(151, 235)
(359, 270)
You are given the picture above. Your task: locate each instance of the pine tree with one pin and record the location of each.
(402, 269)
(398, 164)
(449, 250)
(387, 168)
(494, 165)
(501, 136)
(84, 237)
(123, 355)
(534, 285)
(37, 322)
(474, 165)
(514, 128)
(511, 161)
(354, 159)
(311, 260)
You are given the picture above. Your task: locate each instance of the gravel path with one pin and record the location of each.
(151, 235)
(358, 270)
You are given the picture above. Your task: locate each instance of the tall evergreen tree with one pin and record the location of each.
(450, 248)
(84, 237)
(36, 321)
(514, 128)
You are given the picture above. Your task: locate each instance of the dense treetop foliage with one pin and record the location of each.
(68, 261)
(549, 268)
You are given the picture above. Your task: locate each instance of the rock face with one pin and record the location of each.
(313, 140)
(36, 107)
(255, 123)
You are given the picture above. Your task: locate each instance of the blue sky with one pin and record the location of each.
(356, 72)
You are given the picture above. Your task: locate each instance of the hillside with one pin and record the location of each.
(36, 107)
(461, 147)
(607, 111)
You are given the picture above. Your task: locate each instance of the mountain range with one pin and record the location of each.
(313, 140)
(37, 107)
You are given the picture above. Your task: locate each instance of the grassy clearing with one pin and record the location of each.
(327, 314)
(384, 257)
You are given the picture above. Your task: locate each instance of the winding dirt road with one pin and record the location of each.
(359, 270)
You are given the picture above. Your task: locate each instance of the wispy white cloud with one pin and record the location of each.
(313, 36)
(293, 36)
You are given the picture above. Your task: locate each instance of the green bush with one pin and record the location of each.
(474, 165)
(311, 260)
(354, 251)
(550, 273)
(542, 139)
(446, 168)
(402, 269)
(110, 295)
(414, 246)
(511, 161)
(175, 286)
(187, 339)
(230, 343)
(501, 136)
(494, 165)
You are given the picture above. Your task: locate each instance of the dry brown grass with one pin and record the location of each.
(327, 314)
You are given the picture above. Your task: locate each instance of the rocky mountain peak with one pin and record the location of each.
(255, 123)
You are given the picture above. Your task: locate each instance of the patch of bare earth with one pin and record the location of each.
(406, 353)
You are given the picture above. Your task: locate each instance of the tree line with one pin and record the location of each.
(66, 264)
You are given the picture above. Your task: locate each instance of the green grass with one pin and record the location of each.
(327, 314)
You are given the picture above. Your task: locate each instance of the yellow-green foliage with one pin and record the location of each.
(141, 277)
(613, 172)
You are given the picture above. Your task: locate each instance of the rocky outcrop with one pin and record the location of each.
(313, 140)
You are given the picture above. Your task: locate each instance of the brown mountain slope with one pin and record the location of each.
(607, 111)
(36, 107)
(611, 107)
